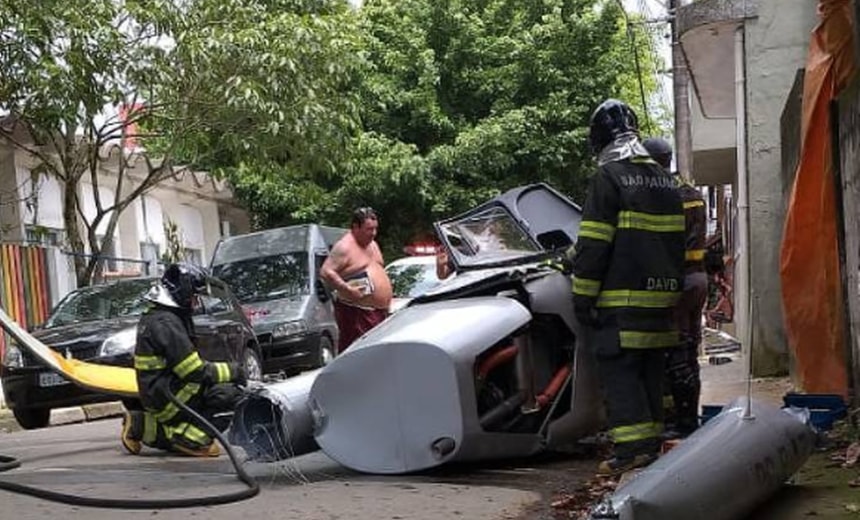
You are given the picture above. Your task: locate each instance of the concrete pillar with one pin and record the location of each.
(776, 45)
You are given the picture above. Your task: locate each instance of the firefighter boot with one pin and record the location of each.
(132, 431)
(618, 465)
(210, 450)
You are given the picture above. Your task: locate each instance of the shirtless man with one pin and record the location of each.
(354, 270)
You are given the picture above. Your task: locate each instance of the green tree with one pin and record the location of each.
(210, 83)
(460, 100)
(173, 237)
(495, 93)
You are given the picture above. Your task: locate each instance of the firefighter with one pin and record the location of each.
(682, 364)
(165, 360)
(628, 270)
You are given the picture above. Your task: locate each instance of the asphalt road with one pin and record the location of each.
(86, 459)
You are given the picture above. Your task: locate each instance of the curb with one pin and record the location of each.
(71, 415)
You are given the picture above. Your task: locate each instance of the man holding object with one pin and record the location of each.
(355, 272)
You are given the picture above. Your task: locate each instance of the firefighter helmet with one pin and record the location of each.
(612, 119)
(660, 150)
(179, 284)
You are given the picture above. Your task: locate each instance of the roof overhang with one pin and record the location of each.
(707, 34)
(707, 31)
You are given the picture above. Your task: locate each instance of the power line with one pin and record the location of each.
(632, 38)
(655, 34)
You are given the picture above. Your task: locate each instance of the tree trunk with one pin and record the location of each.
(95, 265)
(73, 235)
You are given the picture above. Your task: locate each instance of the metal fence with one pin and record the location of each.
(115, 268)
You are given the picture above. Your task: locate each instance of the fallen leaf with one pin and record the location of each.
(854, 483)
(854, 508)
(851, 455)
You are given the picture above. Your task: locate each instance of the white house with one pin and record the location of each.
(200, 206)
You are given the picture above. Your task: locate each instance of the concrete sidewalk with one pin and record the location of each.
(725, 382)
(74, 414)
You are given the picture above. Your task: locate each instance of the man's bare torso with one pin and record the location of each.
(353, 260)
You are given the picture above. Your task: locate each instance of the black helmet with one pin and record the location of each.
(611, 119)
(660, 150)
(183, 281)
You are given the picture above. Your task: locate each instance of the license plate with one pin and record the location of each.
(47, 379)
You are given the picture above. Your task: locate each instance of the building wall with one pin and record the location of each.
(194, 201)
(775, 48)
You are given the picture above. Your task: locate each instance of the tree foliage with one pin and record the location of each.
(209, 83)
(418, 108)
(462, 99)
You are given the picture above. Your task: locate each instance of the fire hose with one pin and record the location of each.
(253, 488)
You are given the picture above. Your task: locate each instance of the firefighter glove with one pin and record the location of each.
(239, 376)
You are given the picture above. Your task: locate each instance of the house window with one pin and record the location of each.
(43, 235)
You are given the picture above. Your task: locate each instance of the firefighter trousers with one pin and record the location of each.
(682, 363)
(632, 384)
(181, 428)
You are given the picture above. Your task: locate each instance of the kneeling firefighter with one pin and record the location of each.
(165, 360)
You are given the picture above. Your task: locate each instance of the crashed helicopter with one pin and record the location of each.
(486, 365)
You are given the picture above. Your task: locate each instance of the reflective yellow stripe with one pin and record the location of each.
(149, 363)
(223, 371)
(633, 432)
(597, 230)
(170, 410)
(193, 433)
(694, 255)
(150, 428)
(586, 287)
(693, 204)
(645, 299)
(649, 222)
(638, 339)
(643, 160)
(188, 365)
(668, 401)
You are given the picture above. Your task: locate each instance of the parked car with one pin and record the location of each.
(275, 275)
(410, 277)
(99, 324)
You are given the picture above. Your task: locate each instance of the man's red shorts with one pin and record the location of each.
(353, 322)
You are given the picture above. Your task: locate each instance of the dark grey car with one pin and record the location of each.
(275, 275)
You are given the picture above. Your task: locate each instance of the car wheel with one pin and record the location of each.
(253, 367)
(326, 351)
(32, 418)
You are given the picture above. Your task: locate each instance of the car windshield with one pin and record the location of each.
(266, 278)
(487, 237)
(411, 280)
(101, 302)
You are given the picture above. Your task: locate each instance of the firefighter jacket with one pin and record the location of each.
(629, 255)
(165, 359)
(695, 223)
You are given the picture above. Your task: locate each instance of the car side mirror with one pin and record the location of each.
(322, 291)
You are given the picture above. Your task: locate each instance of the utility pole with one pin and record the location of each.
(680, 91)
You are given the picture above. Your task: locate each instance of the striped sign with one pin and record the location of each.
(24, 291)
